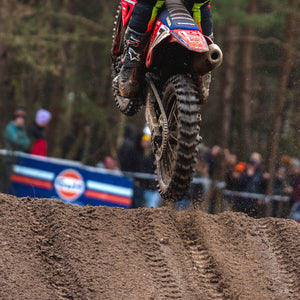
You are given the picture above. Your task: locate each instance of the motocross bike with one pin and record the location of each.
(177, 60)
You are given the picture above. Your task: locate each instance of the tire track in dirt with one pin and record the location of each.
(18, 265)
(205, 268)
(151, 244)
(48, 225)
(288, 268)
(203, 263)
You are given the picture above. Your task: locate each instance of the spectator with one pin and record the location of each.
(137, 162)
(109, 164)
(230, 160)
(281, 187)
(211, 158)
(295, 211)
(286, 161)
(201, 166)
(16, 139)
(15, 135)
(233, 177)
(131, 155)
(199, 190)
(294, 172)
(151, 195)
(37, 132)
(125, 157)
(294, 177)
(253, 180)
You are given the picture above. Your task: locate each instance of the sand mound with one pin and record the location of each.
(51, 250)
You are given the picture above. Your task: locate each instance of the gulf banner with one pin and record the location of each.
(70, 181)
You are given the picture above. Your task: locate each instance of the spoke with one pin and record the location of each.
(171, 152)
(173, 136)
(172, 112)
(176, 119)
(170, 163)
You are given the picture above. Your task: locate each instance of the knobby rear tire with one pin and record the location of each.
(176, 167)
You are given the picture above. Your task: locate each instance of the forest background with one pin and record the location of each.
(56, 55)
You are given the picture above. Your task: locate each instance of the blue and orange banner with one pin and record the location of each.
(72, 182)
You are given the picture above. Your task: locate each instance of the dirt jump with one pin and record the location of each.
(52, 250)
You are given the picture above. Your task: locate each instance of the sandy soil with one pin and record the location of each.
(51, 250)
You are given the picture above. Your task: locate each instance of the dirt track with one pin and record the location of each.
(51, 250)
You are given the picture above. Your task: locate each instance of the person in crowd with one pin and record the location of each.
(16, 139)
(286, 161)
(293, 176)
(281, 187)
(15, 135)
(201, 166)
(295, 210)
(130, 156)
(293, 172)
(233, 176)
(125, 157)
(137, 161)
(37, 132)
(211, 158)
(199, 190)
(151, 195)
(253, 180)
(232, 180)
(230, 160)
(110, 164)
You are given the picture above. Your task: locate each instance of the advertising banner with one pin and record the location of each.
(70, 181)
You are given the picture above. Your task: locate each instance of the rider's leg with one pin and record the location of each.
(206, 20)
(136, 41)
(201, 12)
(207, 29)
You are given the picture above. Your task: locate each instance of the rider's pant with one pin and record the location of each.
(141, 15)
(144, 14)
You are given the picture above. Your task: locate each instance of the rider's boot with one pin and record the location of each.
(132, 69)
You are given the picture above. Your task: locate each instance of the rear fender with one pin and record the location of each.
(160, 35)
(175, 25)
(192, 39)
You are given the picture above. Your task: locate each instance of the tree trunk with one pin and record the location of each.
(246, 82)
(217, 195)
(6, 90)
(226, 96)
(287, 60)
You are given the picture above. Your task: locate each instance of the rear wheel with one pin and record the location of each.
(176, 166)
(127, 106)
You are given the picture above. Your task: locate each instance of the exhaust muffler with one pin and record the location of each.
(207, 61)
